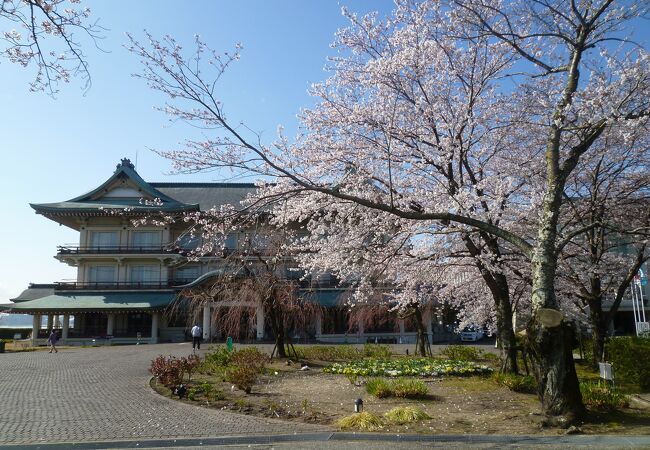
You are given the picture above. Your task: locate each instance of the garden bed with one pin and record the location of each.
(467, 404)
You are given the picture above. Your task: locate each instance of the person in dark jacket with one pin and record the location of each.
(52, 340)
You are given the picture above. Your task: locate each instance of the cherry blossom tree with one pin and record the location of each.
(41, 33)
(474, 114)
(611, 190)
(258, 273)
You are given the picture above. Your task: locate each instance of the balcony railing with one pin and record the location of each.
(63, 250)
(115, 249)
(118, 285)
(158, 285)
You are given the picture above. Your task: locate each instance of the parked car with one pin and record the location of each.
(471, 334)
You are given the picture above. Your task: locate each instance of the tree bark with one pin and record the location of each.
(598, 330)
(422, 339)
(497, 283)
(277, 325)
(506, 332)
(549, 336)
(558, 388)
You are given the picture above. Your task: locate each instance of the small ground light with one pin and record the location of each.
(358, 405)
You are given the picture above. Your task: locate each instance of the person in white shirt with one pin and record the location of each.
(197, 334)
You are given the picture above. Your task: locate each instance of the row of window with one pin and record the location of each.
(139, 273)
(154, 239)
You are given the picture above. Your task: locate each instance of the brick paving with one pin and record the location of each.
(102, 394)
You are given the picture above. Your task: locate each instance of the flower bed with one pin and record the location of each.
(423, 367)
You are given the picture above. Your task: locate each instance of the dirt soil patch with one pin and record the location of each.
(457, 405)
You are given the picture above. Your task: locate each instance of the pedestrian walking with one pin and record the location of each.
(197, 335)
(52, 340)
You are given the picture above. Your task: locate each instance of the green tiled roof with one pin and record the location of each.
(117, 301)
(89, 201)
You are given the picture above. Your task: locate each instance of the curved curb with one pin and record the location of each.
(589, 441)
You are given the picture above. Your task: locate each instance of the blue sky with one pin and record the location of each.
(56, 149)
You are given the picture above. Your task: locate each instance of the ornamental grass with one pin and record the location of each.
(401, 387)
(365, 421)
(405, 414)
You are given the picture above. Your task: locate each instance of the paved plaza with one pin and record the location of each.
(102, 393)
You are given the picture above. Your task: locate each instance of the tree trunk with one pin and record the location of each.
(550, 337)
(598, 330)
(279, 344)
(422, 338)
(498, 285)
(506, 333)
(277, 325)
(558, 388)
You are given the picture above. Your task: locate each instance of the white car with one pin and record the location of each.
(471, 334)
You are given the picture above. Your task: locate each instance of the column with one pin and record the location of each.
(36, 326)
(360, 333)
(155, 319)
(66, 327)
(110, 324)
(402, 328)
(427, 321)
(207, 320)
(50, 320)
(166, 236)
(319, 324)
(260, 323)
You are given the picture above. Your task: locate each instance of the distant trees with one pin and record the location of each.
(612, 193)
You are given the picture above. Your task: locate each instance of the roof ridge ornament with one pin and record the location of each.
(125, 162)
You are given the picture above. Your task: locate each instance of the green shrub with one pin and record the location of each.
(216, 361)
(366, 421)
(379, 387)
(517, 383)
(191, 393)
(462, 352)
(401, 387)
(212, 393)
(376, 351)
(630, 357)
(219, 355)
(328, 352)
(602, 397)
(405, 414)
(409, 388)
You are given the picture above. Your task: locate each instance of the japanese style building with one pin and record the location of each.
(127, 275)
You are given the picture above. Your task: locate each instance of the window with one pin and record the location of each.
(231, 241)
(148, 274)
(188, 242)
(104, 239)
(186, 273)
(145, 239)
(102, 274)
